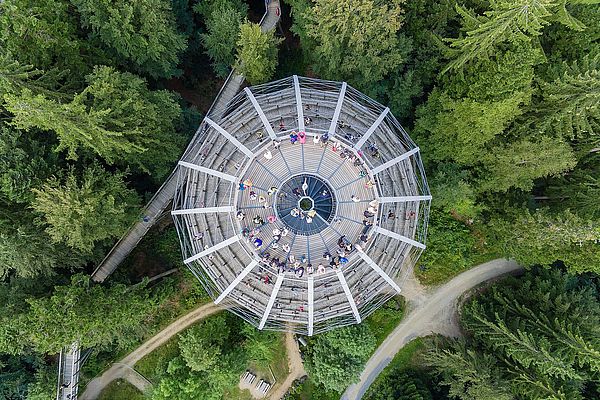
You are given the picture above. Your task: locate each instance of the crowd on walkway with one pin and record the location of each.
(268, 236)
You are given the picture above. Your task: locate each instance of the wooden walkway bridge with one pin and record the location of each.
(161, 199)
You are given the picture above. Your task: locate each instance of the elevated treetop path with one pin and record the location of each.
(303, 205)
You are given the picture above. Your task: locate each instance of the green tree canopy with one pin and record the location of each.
(28, 251)
(93, 315)
(336, 358)
(200, 346)
(355, 40)
(24, 164)
(141, 32)
(256, 53)
(569, 105)
(519, 163)
(543, 238)
(83, 211)
(507, 21)
(223, 20)
(116, 116)
(534, 336)
(42, 33)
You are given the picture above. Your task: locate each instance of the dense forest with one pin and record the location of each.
(97, 103)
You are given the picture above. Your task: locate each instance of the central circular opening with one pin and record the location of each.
(305, 204)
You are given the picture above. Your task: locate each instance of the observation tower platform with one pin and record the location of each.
(303, 206)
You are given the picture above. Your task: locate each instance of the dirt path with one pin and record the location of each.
(122, 369)
(295, 366)
(430, 313)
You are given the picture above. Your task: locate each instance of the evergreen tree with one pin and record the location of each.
(468, 112)
(537, 333)
(256, 53)
(28, 251)
(92, 315)
(519, 163)
(223, 27)
(508, 21)
(543, 238)
(569, 105)
(116, 116)
(82, 212)
(42, 33)
(141, 32)
(15, 77)
(470, 375)
(24, 164)
(147, 117)
(355, 40)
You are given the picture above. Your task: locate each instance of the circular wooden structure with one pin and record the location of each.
(303, 207)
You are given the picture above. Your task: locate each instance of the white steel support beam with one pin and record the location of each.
(397, 236)
(394, 161)
(230, 137)
(403, 199)
(311, 304)
(212, 249)
(261, 114)
(338, 110)
(271, 301)
(209, 171)
(236, 281)
(348, 295)
(203, 210)
(299, 107)
(377, 269)
(370, 131)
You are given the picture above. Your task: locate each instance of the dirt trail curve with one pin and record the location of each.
(429, 313)
(164, 195)
(124, 368)
(295, 366)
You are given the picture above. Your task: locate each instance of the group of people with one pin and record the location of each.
(288, 262)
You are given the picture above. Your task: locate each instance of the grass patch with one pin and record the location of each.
(309, 390)
(407, 358)
(238, 394)
(119, 390)
(452, 247)
(279, 363)
(154, 365)
(383, 321)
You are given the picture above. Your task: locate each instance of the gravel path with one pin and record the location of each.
(122, 369)
(435, 312)
(295, 366)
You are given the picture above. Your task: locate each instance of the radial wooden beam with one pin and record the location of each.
(311, 304)
(397, 236)
(403, 199)
(236, 281)
(212, 249)
(394, 161)
(377, 269)
(271, 301)
(230, 137)
(370, 131)
(338, 110)
(203, 210)
(344, 284)
(299, 107)
(208, 171)
(261, 114)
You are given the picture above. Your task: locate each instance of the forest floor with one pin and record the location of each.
(429, 311)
